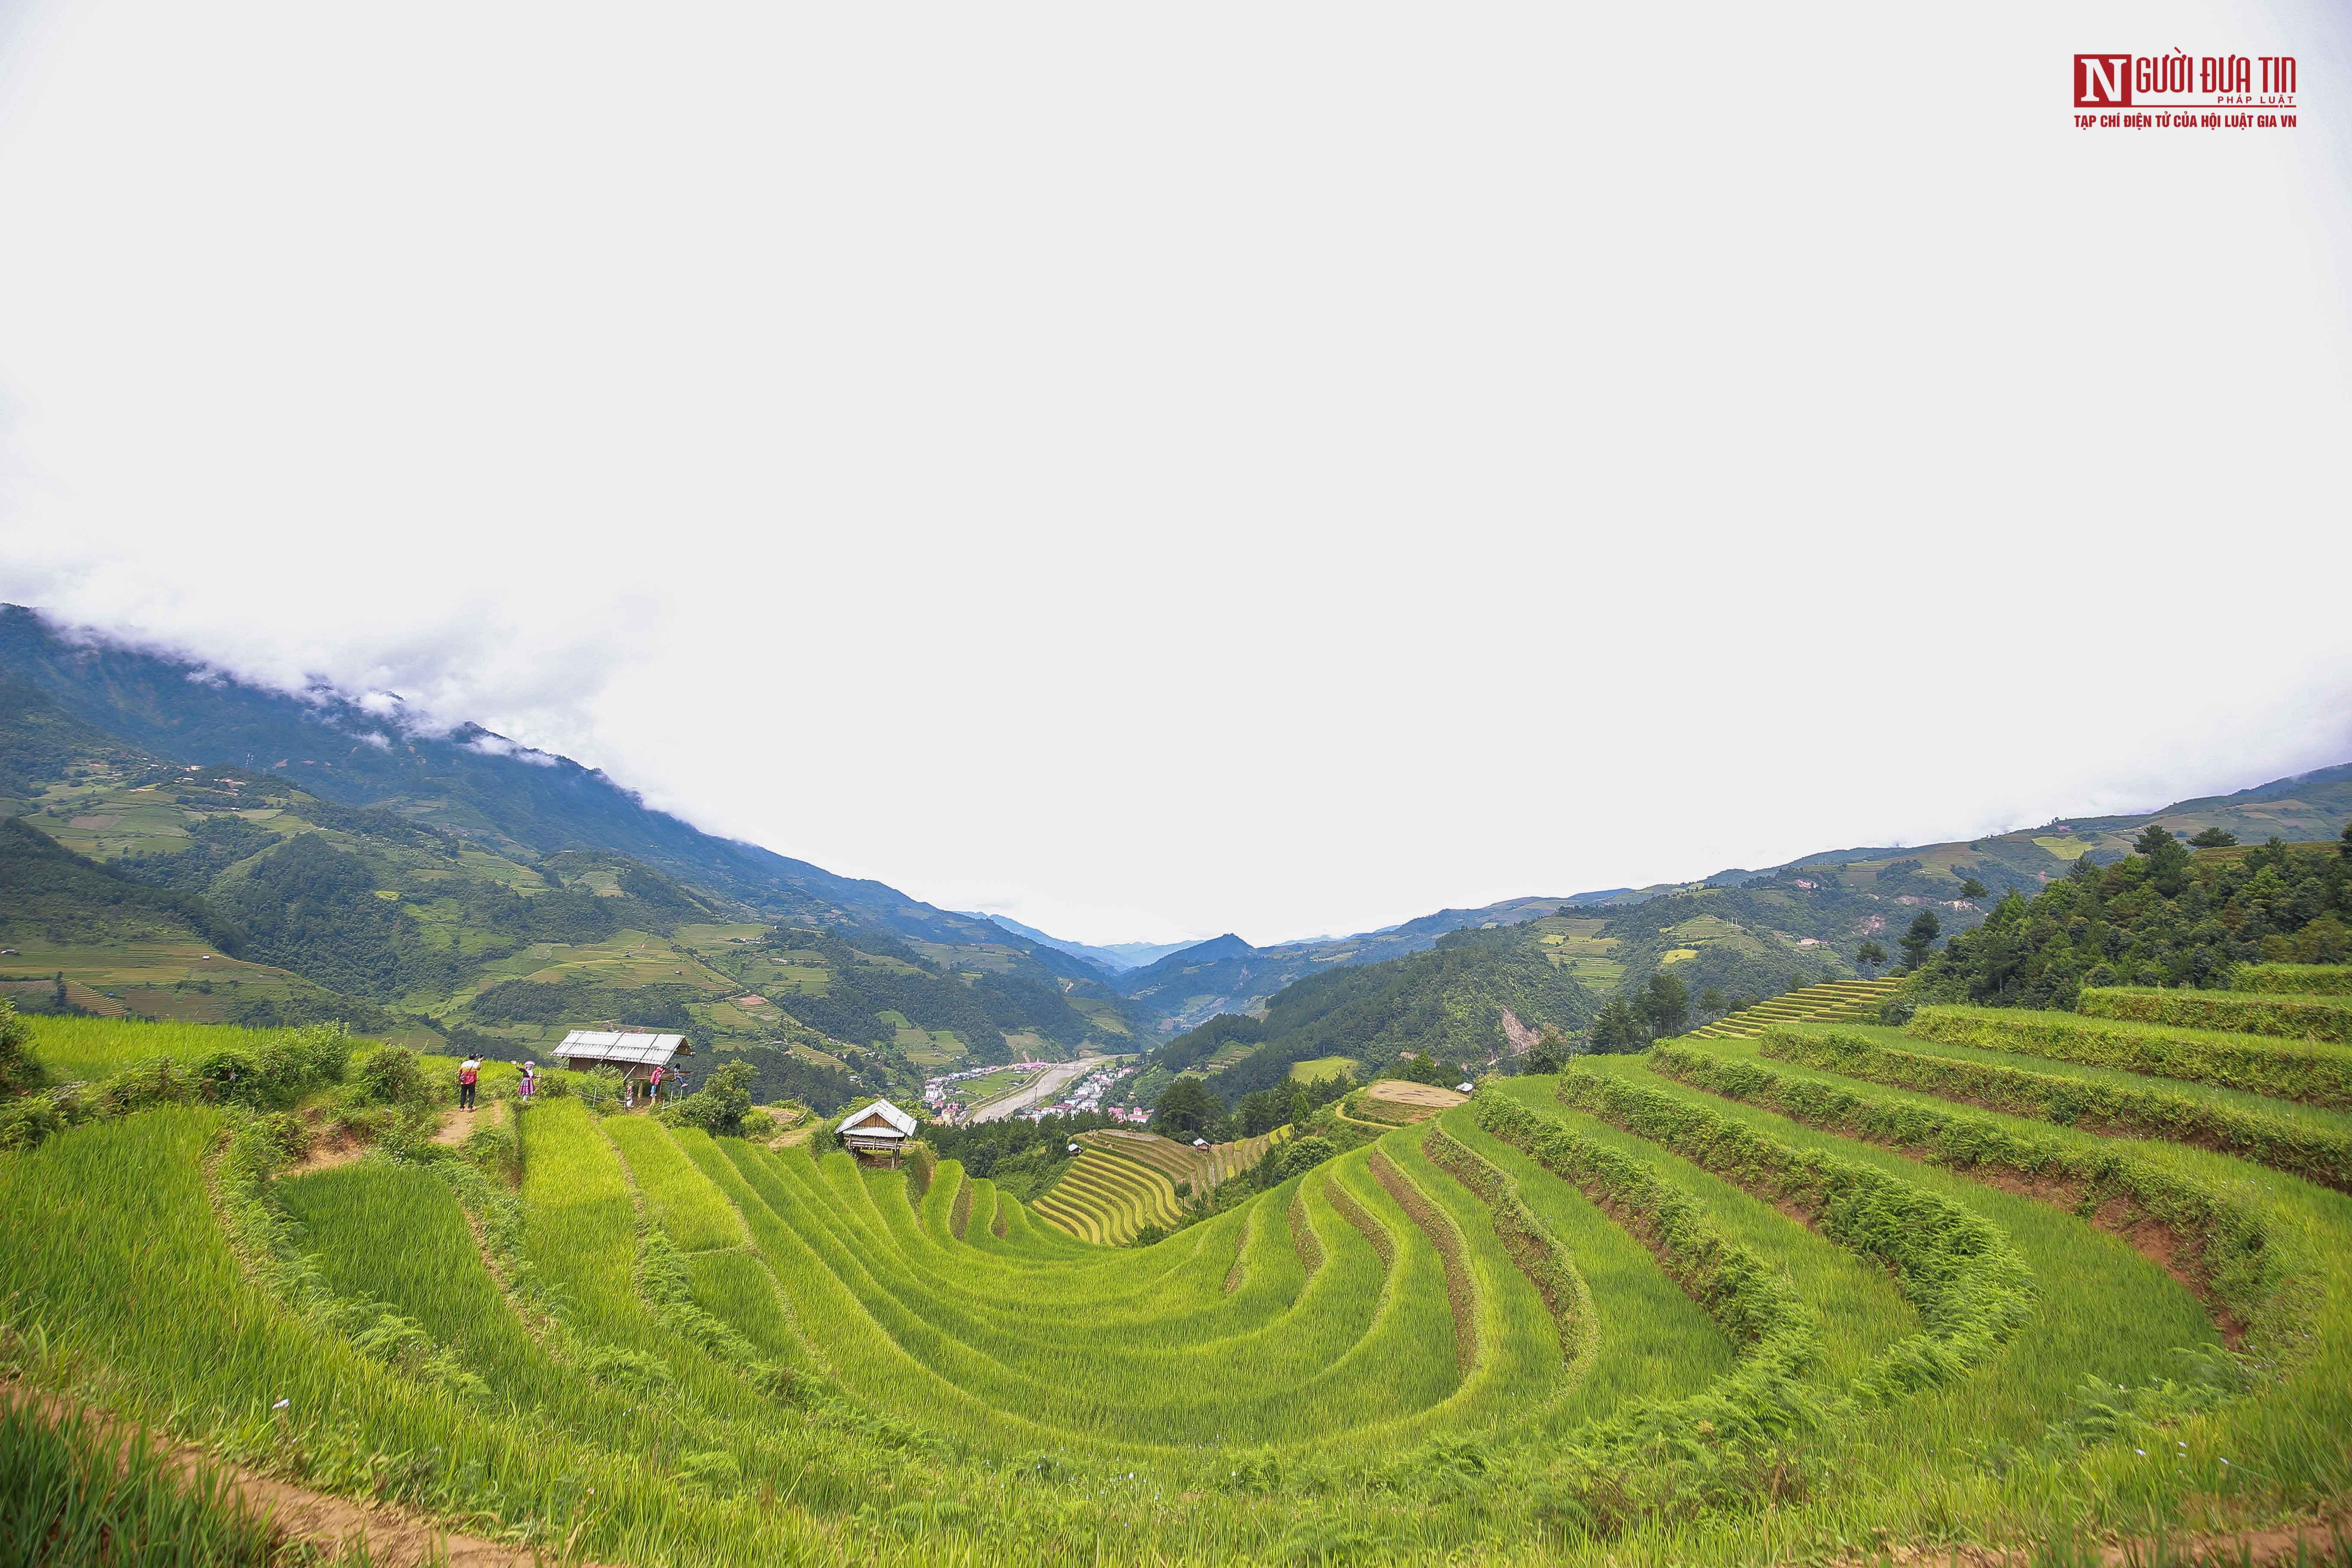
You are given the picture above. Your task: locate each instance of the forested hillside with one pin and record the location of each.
(133, 883)
(1446, 1002)
(2165, 916)
(470, 783)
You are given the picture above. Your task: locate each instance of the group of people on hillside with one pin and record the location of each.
(469, 1078)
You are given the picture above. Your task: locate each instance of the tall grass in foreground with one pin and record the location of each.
(73, 1493)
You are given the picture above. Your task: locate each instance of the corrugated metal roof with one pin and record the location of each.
(623, 1045)
(890, 1113)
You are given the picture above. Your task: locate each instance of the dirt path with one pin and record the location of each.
(392, 1539)
(1049, 1083)
(457, 1124)
(2306, 1541)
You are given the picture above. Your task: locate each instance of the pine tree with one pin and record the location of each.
(1916, 941)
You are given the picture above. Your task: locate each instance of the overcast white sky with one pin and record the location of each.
(1272, 467)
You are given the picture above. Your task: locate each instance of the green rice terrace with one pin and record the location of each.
(1123, 1180)
(1833, 1002)
(1816, 1292)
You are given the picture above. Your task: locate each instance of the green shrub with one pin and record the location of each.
(20, 1073)
(28, 1121)
(159, 1082)
(2278, 1141)
(719, 1106)
(2283, 1018)
(389, 1075)
(1300, 1155)
(362, 1123)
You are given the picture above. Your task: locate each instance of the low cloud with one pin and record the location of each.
(490, 745)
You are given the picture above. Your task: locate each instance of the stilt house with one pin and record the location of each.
(878, 1132)
(635, 1053)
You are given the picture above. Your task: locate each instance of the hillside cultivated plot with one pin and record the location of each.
(1321, 1067)
(1835, 1001)
(1733, 1300)
(191, 982)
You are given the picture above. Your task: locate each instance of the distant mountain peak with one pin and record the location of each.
(1226, 946)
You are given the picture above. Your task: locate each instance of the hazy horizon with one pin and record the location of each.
(1282, 470)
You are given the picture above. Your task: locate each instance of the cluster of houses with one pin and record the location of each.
(1086, 1094)
(939, 1092)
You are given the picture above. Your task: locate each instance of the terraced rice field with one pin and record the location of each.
(1106, 1198)
(1799, 1297)
(1832, 1002)
(1124, 1181)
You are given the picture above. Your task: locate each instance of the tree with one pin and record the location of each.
(1712, 999)
(1302, 1154)
(1620, 1028)
(1422, 1068)
(1666, 1004)
(1187, 1108)
(1971, 888)
(2344, 845)
(1263, 1111)
(2167, 861)
(390, 1075)
(1550, 1052)
(719, 1106)
(1301, 1108)
(1916, 941)
(1871, 956)
(2215, 838)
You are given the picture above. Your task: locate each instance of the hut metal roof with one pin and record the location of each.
(890, 1113)
(625, 1046)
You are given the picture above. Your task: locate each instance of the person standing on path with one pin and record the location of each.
(530, 1080)
(469, 1073)
(652, 1091)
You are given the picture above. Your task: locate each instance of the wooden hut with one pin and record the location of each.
(878, 1132)
(635, 1053)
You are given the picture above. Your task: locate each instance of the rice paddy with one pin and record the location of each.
(1831, 1002)
(2003, 1278)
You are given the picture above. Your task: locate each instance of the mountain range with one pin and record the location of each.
(325, 854)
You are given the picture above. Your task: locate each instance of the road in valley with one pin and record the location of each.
(1047, 1088)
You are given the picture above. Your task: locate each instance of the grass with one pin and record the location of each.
(1321, 1067)
(1786, 1318)
(2315, 1145)
(2267, 1013)
(74, 1493)
(2315, 1074)
(86, 1050)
